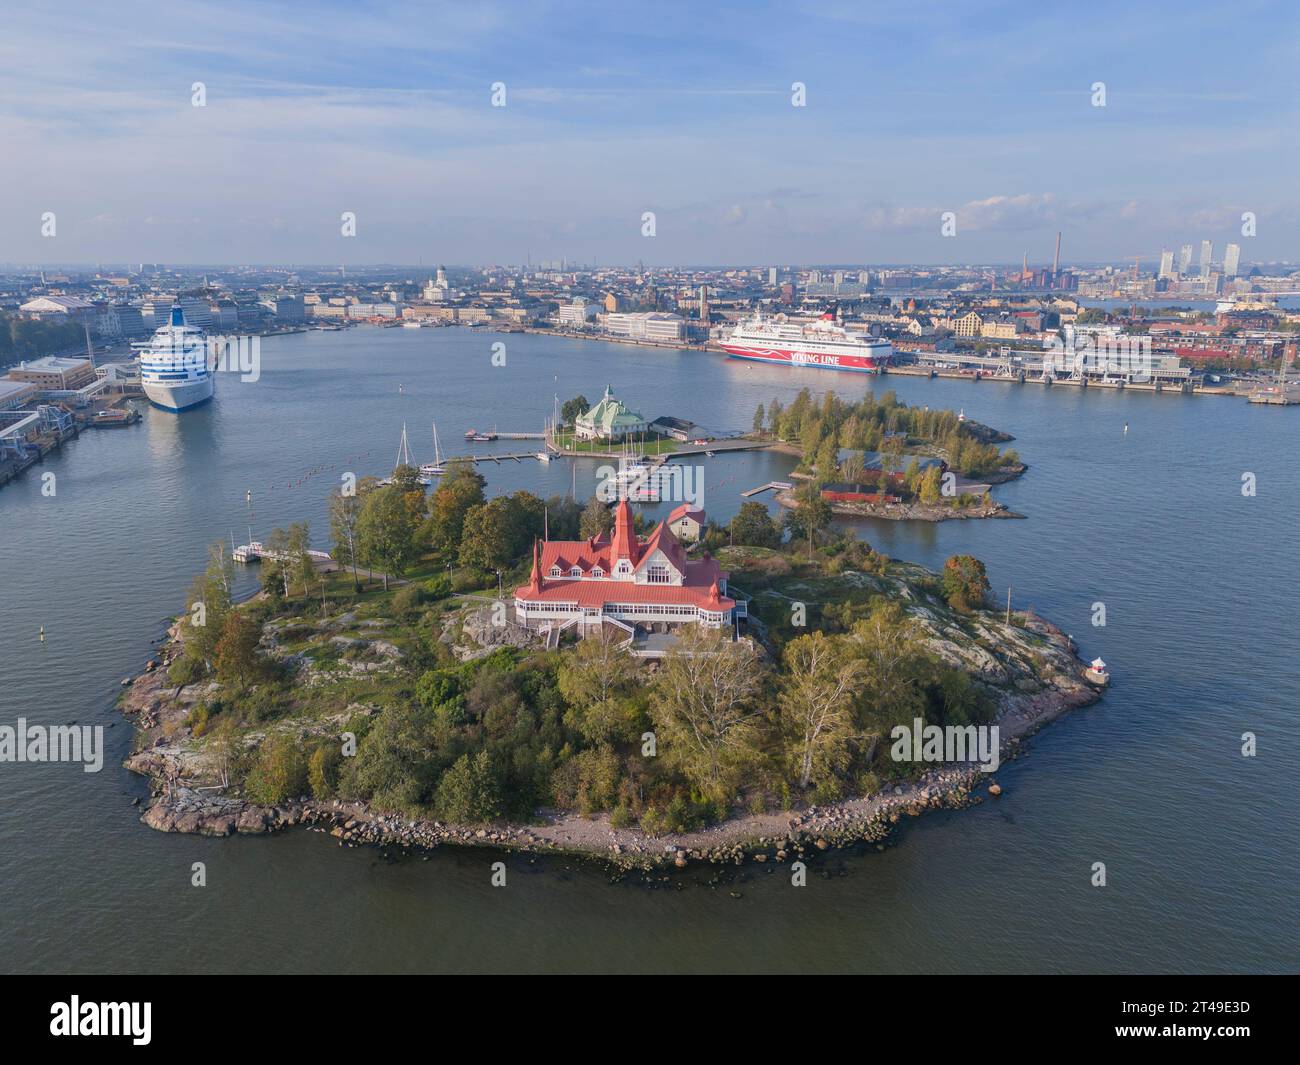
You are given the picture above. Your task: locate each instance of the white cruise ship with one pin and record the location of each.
(803, 342)
(174, 369)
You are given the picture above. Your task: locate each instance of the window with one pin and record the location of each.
(657, 574)
(598, 572)
(576, 571)
(555, 571)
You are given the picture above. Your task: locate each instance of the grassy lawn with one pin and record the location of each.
(565, 440)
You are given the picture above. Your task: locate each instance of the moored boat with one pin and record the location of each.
(174, 370)
(819, 343)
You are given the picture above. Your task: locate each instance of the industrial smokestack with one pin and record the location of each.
(1056, 259)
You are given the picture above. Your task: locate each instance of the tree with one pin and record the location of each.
(888, 646)
(323, 769)
(704, 704)
(344, 512)
(277, 545)
(394, 767)
(279, 772)
(827, 461)
(572, 408)
(387, 531)
(492, 534)
(754, 527)
(758, 419)
(460, 489)
(236, 658)
(815, 698)
(853, 467)
(596, 519)
(563, 518)
(594, 678)
(810, 515)
(205, 611)
(774, 411)
(931, 491)
(299, 564)
(468, 792)
(531, 512)
(965, 583)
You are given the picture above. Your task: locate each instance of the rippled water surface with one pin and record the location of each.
(1201, 844)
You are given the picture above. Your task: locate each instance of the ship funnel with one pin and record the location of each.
(178, 316)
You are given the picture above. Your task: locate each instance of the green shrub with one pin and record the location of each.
(279, 772)
(197, 719)
(407, 601)
(323, 770)
(468, 580)
(184, 670)
(468, 792)
(437, 587)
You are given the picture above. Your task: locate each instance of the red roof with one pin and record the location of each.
(700, 577)
(686, 510)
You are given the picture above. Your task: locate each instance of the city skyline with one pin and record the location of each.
(387, 112)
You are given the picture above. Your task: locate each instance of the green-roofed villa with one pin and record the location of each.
(609, 420)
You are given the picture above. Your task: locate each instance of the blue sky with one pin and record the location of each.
(683, 109)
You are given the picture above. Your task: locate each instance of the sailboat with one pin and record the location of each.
(434, 468)
(404, 459)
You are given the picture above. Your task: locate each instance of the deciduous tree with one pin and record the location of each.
(816, 699)
(705, 706)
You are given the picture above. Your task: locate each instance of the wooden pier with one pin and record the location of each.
(513, 456)
(778, 486)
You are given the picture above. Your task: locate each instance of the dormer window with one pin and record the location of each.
(555, 571)
(576, 571)
(598, 572)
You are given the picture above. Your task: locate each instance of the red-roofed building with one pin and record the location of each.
(621, 578)
(687, 522)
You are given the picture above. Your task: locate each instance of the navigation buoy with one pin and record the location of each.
(42, 634)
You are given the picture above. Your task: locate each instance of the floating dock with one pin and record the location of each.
(257, 551)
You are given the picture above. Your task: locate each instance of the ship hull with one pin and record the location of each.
(810, 360)
(180, 397)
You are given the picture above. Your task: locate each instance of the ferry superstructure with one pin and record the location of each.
(174, 370)
(815, 342)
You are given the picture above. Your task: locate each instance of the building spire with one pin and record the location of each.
(623, 543)
(535, 581)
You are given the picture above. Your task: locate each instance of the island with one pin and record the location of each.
(880, 458)
(470, 671)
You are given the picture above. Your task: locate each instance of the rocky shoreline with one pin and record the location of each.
(179, 803)
(909, 511)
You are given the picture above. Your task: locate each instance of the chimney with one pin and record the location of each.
(1056, 259)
